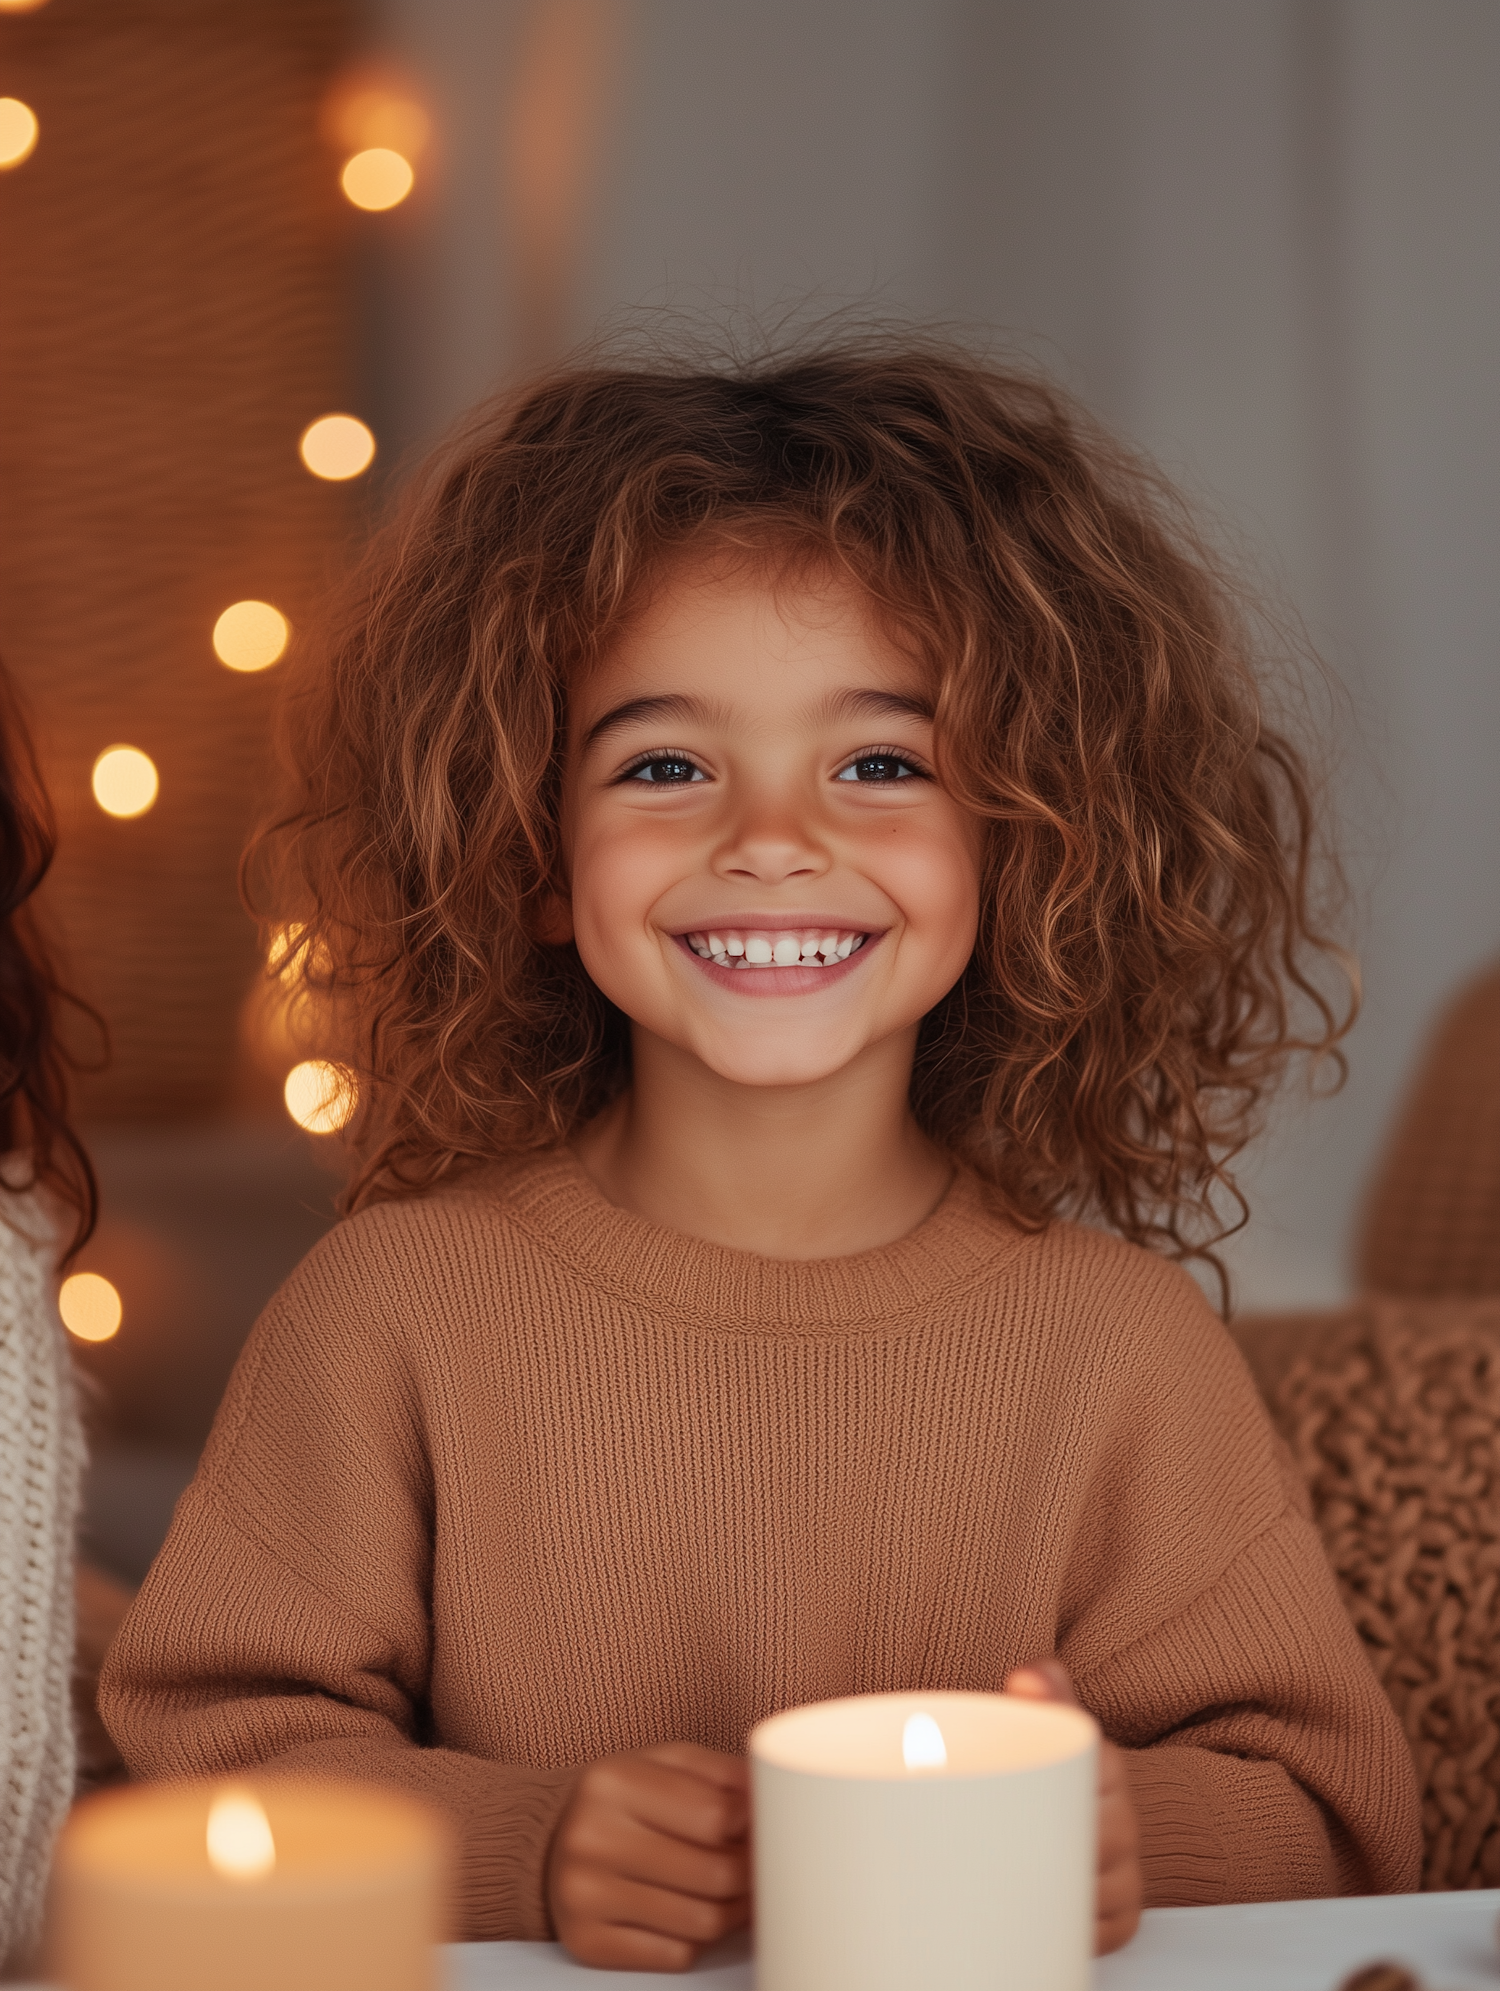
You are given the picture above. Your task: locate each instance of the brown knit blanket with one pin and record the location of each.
(1392, 1411)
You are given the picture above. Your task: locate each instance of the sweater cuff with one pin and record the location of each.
(1220, 1828)
(502, 1865)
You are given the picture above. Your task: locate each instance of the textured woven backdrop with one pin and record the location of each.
(174, 309)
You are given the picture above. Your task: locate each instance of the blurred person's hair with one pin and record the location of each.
(1149, 936)
(40, 1147)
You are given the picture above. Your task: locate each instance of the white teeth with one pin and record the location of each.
(779, 950)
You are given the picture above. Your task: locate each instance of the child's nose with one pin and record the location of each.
(770, 845)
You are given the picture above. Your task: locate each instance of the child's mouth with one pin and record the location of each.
(756, 960)
(789, 947)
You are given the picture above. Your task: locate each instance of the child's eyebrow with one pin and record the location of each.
(869, 704)
(851, 704)
(670, 705)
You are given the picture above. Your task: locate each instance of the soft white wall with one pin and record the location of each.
(439, 290)
(1255, 234)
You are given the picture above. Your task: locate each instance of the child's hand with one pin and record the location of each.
(651, 1860)
(1118, 1901)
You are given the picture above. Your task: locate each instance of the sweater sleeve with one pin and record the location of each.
(1265, 1760)
(286, 1624)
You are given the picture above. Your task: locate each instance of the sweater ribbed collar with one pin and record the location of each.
(962, 1243)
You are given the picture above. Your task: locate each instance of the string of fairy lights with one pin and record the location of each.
(380, 132)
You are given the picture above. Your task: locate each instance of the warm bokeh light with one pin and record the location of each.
(20, 6)
(250, 635)
(368, 108)
(18, 132)
(90, 1307)
(283, 940)
(283, 949)
(240, 1843)
(286, 1016)
(125, 781)
(320, 1096)
(377, 179)
(338, 446)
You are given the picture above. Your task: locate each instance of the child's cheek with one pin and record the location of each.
(929, 865)
(620, 871)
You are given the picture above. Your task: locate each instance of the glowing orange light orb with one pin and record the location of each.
(337, 446)
(18, 132)
(91, 1309)
(125, 781)
(250, 635)
(377, 179)
(320, 1096)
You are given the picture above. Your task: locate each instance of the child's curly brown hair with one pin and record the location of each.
(1147, 930)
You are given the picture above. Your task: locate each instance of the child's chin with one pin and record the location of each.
(776, 1064)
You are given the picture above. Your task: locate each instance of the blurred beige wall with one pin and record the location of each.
(1258, 235)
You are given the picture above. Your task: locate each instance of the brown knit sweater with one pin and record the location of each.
(508, 1480)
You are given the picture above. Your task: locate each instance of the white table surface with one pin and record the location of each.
(1448, 1939)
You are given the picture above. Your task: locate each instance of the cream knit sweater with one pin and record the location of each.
(41, 1456)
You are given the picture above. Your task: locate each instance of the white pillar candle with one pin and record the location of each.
(941, 1840)
(247, 1887)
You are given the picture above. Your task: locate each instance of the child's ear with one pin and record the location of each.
(553, 923)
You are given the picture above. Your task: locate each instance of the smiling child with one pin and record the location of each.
(812, 903)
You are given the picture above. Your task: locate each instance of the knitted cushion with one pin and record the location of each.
(1432, 1218)
(1392, 1411)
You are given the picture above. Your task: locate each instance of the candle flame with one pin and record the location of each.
(922, 1745)
(240, 1845)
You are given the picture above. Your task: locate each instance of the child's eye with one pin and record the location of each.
(883, 764)
(664, 771)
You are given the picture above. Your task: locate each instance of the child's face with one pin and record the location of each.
(750, 787)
